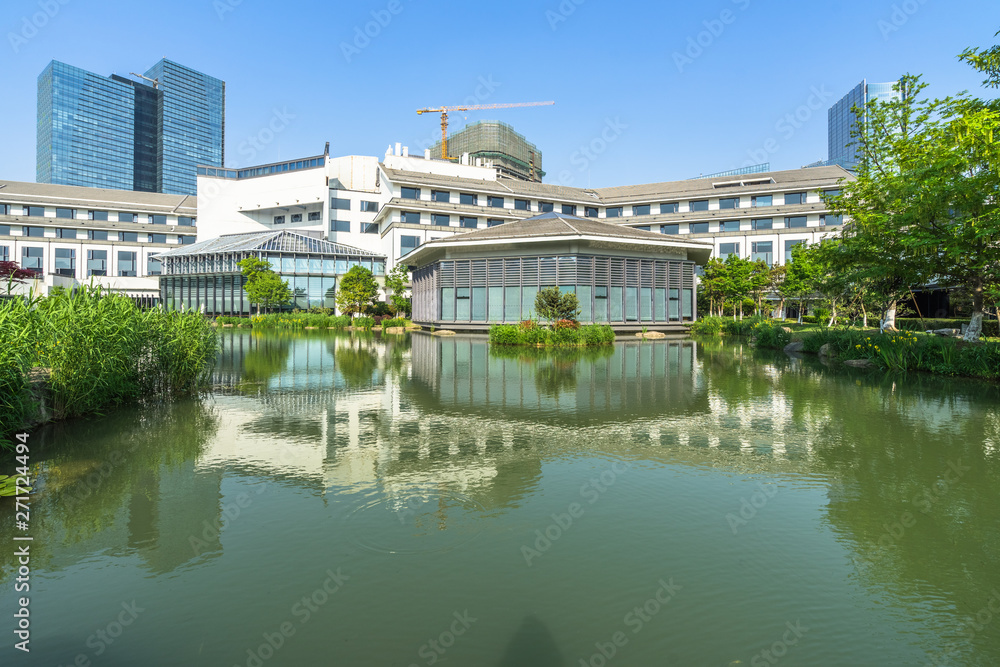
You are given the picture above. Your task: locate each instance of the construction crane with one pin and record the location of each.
(473, 107)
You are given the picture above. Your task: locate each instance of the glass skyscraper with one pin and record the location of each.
(841, 146)
(114, 132)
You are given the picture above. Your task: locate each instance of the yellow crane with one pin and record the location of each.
(471, 107)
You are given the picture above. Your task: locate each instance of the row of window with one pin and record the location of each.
(345, 205)
(759, 250)
(292, 165)
(732, 226)
(33, 259)
(95, 235)
(100, 216)
(756, 201)
(297, 217)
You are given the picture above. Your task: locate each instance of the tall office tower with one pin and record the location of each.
(841, 146)
(125, 134)
(510, 151)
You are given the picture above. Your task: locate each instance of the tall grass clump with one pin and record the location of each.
(18, 351)
(529, 333)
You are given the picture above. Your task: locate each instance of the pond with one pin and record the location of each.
(352, 500)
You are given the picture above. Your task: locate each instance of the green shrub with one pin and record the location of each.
(363, 322)
(771, 335)
(527, 333)
(339, 322)
(597, 334)
(395, 322)
(708, 326)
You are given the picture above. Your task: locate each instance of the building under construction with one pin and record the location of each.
(512, 154)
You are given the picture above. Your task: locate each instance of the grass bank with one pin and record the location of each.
(95, 350)
(298, 321)
(530, 333)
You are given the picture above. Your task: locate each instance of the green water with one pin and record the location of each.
(419, 501)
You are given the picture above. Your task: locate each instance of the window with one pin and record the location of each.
(698, 227)
(37, 232)
(795, 221)
(700, 205)
(157, 238)
(644, 228)
(340, 204)
(369, 228)
(729, 202)
(462, 293)
(369, 206)
(4, 253)
(65, 233)
(569, 209)
(4, 230)
(760, 200)
(832, 220)
(315, 216)
(601, 292)
(130, 217)
(590, 211)
(795, 198)
(494, 222)
(670, 229)
(727, 249)
(467, 222)
(65, 262)
(468, 199)
(103, 216)
(66, 213)
(762, 250)
(154, 267)
(614, 212)
(33, 259)
(545, 206)
(340, 225)
(729, 226)
(762, 223)
(409, 217)
(128, 237)
(788, 249)
(97, 262)
(640, 209)
(669, 207)
(4, 209)
(155, 219)
(409, 193)
(494, 202)
(279, 219)
(187, 221)
(36, 211)
(407, 244)
(440, 220)
(187, 240)
(522, 205)
(831, 193)
(296, 217)
(441, 196)
(126, 263)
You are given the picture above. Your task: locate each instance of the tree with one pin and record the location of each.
(759, 282)
(800, 277)
(396, 282)
(11, 274)
(714, 284)
(264, 287)
(552, 304)
(358, 290)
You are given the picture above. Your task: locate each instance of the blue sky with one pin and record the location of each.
(643, 91)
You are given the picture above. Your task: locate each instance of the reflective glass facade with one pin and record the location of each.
(615, 290)
(841, 147)
(119, 133)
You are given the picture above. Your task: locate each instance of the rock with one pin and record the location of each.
(651, 334)
(787, 330)
(227, 326)
(443, 332)
(946, 332)
(826, 351)
(310, 327)
(394, 330)
(795, 346)
(859, 363)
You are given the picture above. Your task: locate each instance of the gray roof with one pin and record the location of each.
(270, 241)
(806, 179)
(47, 194)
